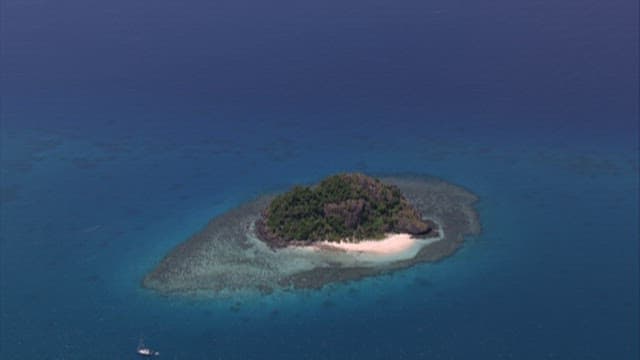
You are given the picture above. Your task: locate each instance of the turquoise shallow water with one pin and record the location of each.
(553, 274)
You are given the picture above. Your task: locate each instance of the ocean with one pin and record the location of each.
(126, 126)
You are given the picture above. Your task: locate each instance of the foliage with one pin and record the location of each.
(344, 206)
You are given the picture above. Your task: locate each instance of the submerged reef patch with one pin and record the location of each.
(227, 255)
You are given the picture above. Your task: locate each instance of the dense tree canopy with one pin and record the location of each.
(341, 207)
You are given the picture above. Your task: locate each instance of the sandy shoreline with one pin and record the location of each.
(391, 244)
(393, 247)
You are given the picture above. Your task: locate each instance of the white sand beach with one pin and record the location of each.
(391, 244)
(394, 247)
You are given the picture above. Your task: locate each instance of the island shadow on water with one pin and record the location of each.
(228, 256)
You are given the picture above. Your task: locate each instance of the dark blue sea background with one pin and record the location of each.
(127, 125)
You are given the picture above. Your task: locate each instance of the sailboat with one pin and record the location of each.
(142, 350)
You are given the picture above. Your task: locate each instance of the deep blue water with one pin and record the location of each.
(126, 125)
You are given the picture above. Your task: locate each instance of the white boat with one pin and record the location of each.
(142, 350)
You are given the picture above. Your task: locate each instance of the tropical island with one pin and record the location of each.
(346, 227)
(344, 207)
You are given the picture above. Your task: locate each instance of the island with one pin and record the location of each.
(346, 227)
(342, 208)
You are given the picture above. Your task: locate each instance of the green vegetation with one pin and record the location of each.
(345, 206)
